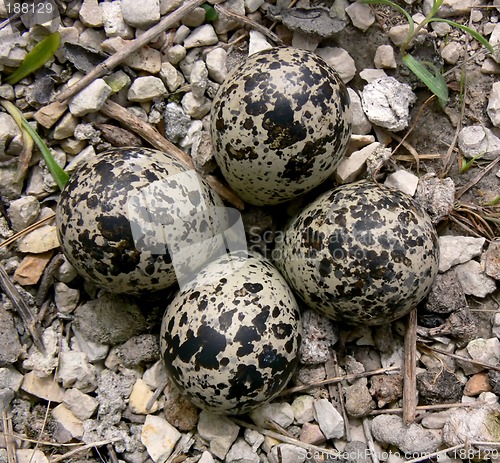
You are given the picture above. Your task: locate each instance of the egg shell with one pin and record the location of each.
(280, 125)
(230, 338)
(360, 254)
(112, 214)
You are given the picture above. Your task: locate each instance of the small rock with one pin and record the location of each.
(68, 426)
(179, 411)
(155, 375)
(485, 350)
(219, 431)
(43, 387)
(82, 405)
(257, 42)
(176, 122)
(109, 319)
(90, 14)
(287, 453)
(310, 433)
(195, 107)
(394, 357)
(202, 36)
(412, 439)
(10, 347)
(358, 400)
(319, 335)
(139, 398)
(138, 350)
(477, 384)
(447, 294)
(66, 298)
(10, 378)
(494, 378)
(31, 268)
(66, 272)
(277, 412)
(360, 123)
(90, 99)
(473, 279)
(303, 409)
(23, 212)
(146, 88)
(42, 239)
(451, 52)
(402, 180)
(198, 79)
(206, 457)
(113, 391)
(340, 60)
(386, 388)
(172, 78)
(223, 24)
(241, 452)
(159, 437)
(361, 15)
(492, 260)
(74, 370)
(113, 21)
(195, 18)
(384, 57)
(353, 166)
(254, 438)
(304, 41)
(439, 386)
(95, 351)
(175, 54)
(202, 153)
(216, 61)
(146, 59)
(141, 15)
(476, 140)
(30, 456)
(435, 420)
(44, 363)
(66, 127)
(436, 195)
(386, 103)
(398, 34)
(329, 419)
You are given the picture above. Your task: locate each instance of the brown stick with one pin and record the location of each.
(151, 135)
(410, 365)
(10, 442)
(114, 60)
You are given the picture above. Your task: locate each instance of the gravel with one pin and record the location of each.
(96, 380)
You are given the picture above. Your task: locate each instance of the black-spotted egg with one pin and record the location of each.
(361, 254)
(280, 124)
(130, 220)
(230, 337)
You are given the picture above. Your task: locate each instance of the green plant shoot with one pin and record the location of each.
(36, 58)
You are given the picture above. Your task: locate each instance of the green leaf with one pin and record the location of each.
(36, 58)
(434, 82)
(470, 31)
(211, 13)
(59, 175)
(396, 7)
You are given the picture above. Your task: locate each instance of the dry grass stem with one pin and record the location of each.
(383, 411)
(18, 235)
(8, 434)
(410, 367)
(289, 440)
(369, 440)
(108, 65)
(152, 136)
(337, 379)
(156, 394)
(459, 357)
(82, 448)
(333, 368)
(428, 456)
(477, 178)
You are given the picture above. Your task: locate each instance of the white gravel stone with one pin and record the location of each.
(477, 140)
(155, 375)
(65, 128)
(68, 426)
(10, 378)
(44, 387)
(216, 61)
(44, 363)
(196, 107)
(484, 350)
(159, 437)
(114, 24)
(361, 15)
(435, 420)
(303, 409)
(39, 240)
(241, 452)
(287, 453)
(82, 405)
(139, 398)
(175, 54)
(452, 52)
(181, 34)
(225, 24)
(473, 279)
(8, 131)
(171, 76)
(219, 431)
(360, 123)
(398, 34)
(278, 412)
(146, 88)
(351, 167)
(90, 99)
(94, 350)
(456, 250)
(198, 79)
(257, 42)
(493, 108)
(251, 6)
(384, 57)
(90, 14)
(206, 457)
(141, 15)
(74, 370)
(402, 180)
(23, 212)
(340, 60)
(329, 419)
(253, 438)
(66, 298)
(195, 18)
(386, 103)
(369, 75)
(202, 36)
(30, 456)
(495, 41)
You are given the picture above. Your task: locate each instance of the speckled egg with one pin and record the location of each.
(280, 125)
(122, 214)
(230, 338)
(360, 254)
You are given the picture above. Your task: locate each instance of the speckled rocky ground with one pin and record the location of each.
(94, 385)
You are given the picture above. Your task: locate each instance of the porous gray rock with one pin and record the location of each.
(319, 335)
(446, 295)
(10, 347)
(138, 350)
(358, 400)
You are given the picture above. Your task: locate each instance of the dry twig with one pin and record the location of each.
(8, 434)
(18, 235)
(83, 448)
(460, 357)
(107, 66)
(410, 366)
(477, 178)
(384, 411)
(369, 440)
(333, 367)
